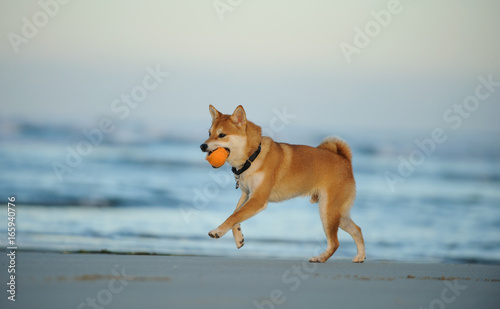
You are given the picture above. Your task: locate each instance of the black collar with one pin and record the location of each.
(247, 163)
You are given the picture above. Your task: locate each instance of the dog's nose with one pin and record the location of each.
(203, 147)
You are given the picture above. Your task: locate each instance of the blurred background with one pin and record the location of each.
(103, 106)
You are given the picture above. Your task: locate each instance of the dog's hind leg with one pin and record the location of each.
(237, 234)
(350, 227)
(330, 217)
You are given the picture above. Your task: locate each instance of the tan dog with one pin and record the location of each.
(281, 171)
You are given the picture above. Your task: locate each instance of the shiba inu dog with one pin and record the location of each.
(267, 171)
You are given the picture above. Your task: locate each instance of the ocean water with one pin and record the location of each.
(143, 191)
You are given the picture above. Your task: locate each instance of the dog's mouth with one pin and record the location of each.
(227, 149)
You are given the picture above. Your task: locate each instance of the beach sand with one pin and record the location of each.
(57, 280)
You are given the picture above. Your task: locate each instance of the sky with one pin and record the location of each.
(409, 62)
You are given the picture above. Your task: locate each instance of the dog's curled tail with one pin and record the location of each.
(337, 145)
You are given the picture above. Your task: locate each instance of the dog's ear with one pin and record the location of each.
(239, 117)
(214, 112)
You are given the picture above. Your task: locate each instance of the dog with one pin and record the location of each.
(267, 171)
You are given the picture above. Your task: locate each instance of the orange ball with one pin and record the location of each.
(218, 157)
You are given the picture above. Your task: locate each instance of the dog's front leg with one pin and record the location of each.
(255, 204)
(237, 234)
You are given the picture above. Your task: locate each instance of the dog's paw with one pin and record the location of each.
(239, 243)
(317, 259)
(238, 237)
(213, 234)
(360, 258)
(216, 233)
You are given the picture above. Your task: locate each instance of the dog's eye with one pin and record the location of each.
(222, 135)
(208, 133)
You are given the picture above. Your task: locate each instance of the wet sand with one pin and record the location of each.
(56, 280)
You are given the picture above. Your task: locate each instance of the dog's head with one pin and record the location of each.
(231, 132)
